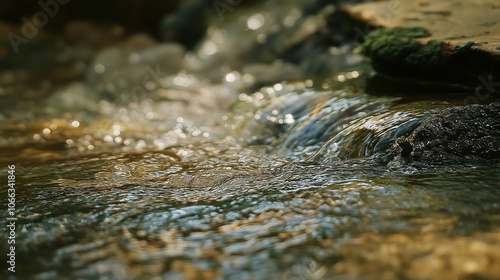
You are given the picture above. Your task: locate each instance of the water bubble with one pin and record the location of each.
(134, 58)
(99, 68)
(261, 38)
(128, 141)
(245, 98)
(182, 80)
(141, 144)
(196, 132)
(248, 78)
(209, 48)
(108, 138)
(292, 17)
(150, 85)
(289, 119)
(233, 76)
(255, 21)
(219, 36)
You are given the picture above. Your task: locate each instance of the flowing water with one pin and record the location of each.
(207, 172)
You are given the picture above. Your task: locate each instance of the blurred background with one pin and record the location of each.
(49, 43)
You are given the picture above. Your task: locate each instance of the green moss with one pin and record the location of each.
(463, 49)
(380, 36)
(414, 32)
(396, 52)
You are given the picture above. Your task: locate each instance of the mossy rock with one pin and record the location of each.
(395, 52)
(398, 52)
(454, 42)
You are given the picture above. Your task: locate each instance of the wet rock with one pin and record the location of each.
(457, 22)
(396, 52)
(458, 135)
(460, 46)
(405, 129)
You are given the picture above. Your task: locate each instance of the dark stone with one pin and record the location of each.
(458, 135)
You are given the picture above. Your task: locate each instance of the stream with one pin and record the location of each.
(228, 163)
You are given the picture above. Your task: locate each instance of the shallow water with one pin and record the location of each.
(237, 216)
(207, 175)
